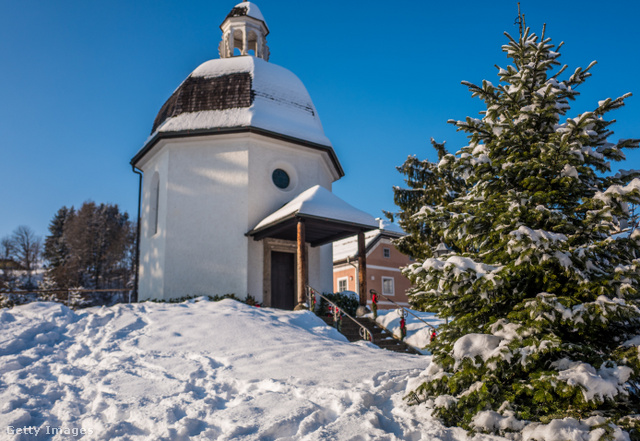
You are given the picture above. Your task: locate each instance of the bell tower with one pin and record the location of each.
(244, 32)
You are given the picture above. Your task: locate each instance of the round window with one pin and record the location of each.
(280, 178)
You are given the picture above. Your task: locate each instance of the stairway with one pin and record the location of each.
(380, 336)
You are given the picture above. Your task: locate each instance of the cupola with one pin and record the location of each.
(244, 32)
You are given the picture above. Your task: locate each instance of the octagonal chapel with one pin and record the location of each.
(237, 175)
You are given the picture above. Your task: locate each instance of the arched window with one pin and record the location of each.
(253, 43)
(153, 204)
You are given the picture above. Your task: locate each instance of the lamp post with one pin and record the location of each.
(441, 250)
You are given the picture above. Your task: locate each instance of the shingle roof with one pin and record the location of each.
(198, 94)
(242, 91)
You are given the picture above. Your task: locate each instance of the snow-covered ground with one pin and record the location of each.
(418, 332)
(200, 370)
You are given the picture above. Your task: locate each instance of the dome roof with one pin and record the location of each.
(242, 92)
(247, 9)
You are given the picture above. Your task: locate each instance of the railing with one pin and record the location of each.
(69, 297)
(337, 313)
(374, 292)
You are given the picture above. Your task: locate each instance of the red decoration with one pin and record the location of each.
(374, 304)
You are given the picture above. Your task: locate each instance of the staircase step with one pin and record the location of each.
(379, 335)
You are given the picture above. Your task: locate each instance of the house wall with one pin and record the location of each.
(378, 267)
(213, 190)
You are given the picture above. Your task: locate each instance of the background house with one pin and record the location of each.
(383, 265)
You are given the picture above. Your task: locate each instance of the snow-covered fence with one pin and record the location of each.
(73, 297)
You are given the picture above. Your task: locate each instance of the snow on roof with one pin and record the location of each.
(349, 247)
(252, 10)
(319, 202)
(390, 227)
(280, 102)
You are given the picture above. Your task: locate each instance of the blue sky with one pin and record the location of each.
(81, 83)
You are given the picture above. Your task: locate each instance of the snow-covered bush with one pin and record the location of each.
(345, 301)
(542, 282)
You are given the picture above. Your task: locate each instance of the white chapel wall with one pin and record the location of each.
(152, 244)
(207, 210)
(306, 168)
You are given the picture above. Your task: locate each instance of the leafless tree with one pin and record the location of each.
(7, 252)
(27, 250)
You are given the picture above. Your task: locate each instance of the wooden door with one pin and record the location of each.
(282, 280)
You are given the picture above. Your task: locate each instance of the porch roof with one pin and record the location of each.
(327, 219)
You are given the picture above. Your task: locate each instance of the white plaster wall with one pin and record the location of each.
(213, 190)
(321, 268)
(206, 251)
(255, 267)
(306, 167)
(152, 247)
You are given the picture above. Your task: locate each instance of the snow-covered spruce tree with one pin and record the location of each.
(542, 286)
(428, 184)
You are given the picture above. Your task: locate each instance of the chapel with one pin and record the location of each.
(236, 181)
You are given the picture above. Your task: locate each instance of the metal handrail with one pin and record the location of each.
(373, 291)
(364, 331)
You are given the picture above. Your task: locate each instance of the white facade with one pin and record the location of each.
(208, 172)
(212, 191)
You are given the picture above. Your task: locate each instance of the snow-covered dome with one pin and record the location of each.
(238, 92)
(242, 90)
(247, 9)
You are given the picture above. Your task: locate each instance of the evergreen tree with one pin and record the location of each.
(56, 249)
(542, 283)
(429, 184)
(90, 247)
(98, 237)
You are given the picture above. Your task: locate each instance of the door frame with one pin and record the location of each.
(282, 246)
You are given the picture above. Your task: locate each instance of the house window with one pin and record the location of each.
(343, 284)
(387, 286)
(386, 252)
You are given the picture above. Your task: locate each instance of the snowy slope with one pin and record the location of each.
(200, 370)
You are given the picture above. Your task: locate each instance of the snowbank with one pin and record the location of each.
(418, 333)
(201, 371)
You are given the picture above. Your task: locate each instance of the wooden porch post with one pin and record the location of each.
(362, 269)
(301, 266)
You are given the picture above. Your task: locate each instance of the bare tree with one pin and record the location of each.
(7, 262)
(27, 250)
